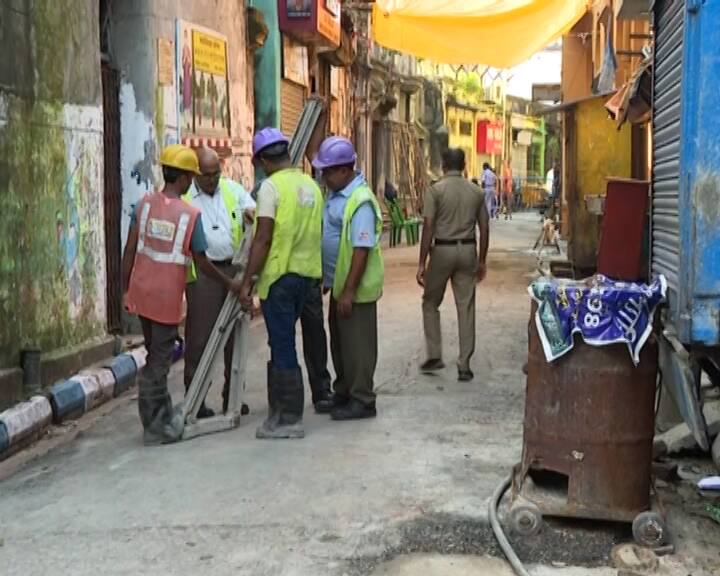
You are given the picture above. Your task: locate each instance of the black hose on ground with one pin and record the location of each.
(498, 531)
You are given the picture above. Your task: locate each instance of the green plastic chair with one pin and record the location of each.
(398, 223)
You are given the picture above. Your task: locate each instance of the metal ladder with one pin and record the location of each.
(232, 318)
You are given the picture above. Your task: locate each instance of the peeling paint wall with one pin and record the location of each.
(148, 113)
(602, 151)
(52, 243)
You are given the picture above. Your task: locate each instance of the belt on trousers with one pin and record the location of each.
(439, 242)
(222, 262)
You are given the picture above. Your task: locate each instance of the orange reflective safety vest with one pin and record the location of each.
(157, 283)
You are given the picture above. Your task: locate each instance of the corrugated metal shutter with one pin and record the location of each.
(292, 101)
(669, 30)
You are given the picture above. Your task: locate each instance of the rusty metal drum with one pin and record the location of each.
(588, 431)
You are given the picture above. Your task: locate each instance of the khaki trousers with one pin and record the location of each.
(457, 263)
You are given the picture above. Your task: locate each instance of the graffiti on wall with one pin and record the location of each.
(52, 242)
(138, 155)
(142, 171)
(80, 223)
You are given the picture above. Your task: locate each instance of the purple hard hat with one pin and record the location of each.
(267, 137)
(334, 151)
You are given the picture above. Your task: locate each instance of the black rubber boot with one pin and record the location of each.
(286, 399)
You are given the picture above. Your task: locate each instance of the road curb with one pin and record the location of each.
(24, 423)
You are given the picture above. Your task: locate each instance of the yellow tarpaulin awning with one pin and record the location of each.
(497, 33)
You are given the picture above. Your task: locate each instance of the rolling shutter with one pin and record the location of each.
(292, 101)
(669, 31)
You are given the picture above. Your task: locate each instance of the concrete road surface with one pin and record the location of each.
(347, 499)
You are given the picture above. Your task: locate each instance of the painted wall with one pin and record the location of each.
(601, 152)
(52, 243)
(268, 68)
(148, 111)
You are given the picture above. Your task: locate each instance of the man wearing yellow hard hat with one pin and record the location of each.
(166, 236)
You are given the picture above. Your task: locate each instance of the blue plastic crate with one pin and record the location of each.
(124, 369)
(4, 440)
(67, 400)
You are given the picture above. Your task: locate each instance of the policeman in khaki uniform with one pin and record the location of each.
(454, 208)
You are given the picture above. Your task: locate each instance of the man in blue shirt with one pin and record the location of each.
(353, 303)
(362, 227)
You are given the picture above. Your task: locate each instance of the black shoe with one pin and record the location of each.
(324, 402)
(465, 375)
(244, 409)
(432, 365)
(205, 412)
(327, 406)
(354, 410)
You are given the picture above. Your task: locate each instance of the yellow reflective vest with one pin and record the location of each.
(297, 232)
(371, 284)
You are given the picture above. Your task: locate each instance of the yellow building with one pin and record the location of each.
(462, 132)
(593, 148)
(474, 102)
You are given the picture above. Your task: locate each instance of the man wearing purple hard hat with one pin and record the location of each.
(353, 272)
(284, 262)
(311, 319)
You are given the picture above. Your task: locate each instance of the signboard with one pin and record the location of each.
(299, 8)
(295, 62)
(489, 137)
(312, 22)
(209, 54)
(204, 100)
(328, 24)
(166, 62)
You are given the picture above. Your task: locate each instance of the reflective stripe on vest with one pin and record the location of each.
(371, 284)
(161, 261)
(297, 231)
(176, 256)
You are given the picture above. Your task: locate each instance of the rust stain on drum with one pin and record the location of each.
(589, 416)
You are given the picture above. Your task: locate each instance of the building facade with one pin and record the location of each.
(599, 55)
(103, 86)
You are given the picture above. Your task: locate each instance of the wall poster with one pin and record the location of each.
(203, 81)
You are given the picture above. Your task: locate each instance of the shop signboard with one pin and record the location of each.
(311, 22)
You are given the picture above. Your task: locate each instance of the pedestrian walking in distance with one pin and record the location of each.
(166, 236)
(454, 210)
(353, 272)
(225, 208)
(284, 263)
(489, 185)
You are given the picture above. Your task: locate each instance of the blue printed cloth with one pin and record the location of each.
(602, 310)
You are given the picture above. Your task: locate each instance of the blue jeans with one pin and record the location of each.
(281, 311)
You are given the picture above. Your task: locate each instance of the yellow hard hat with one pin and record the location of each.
(180, 157)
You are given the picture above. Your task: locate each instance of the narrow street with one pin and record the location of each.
(341, 501)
